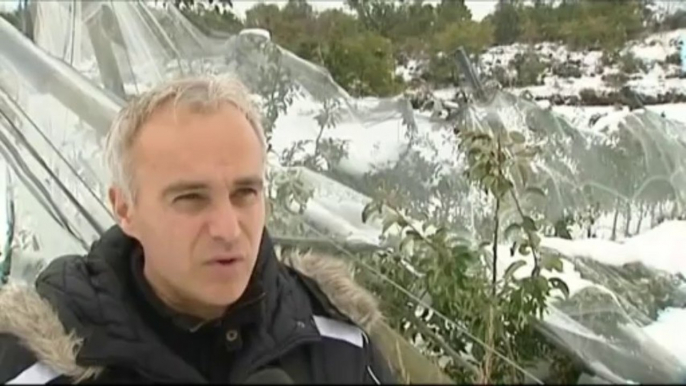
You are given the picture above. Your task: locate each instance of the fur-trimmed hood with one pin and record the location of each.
(37, 321)
(34, 321)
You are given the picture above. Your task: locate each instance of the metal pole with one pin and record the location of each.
(470, 74)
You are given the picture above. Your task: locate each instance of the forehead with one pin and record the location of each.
(182, 143)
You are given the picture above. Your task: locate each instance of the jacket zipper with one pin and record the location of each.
(245, 304)
(276, 354)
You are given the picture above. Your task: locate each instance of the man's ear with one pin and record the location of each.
(122, 209)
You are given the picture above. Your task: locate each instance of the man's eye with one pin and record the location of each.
(244, 196)
(189, 197)
(247, 192)
(191, 202)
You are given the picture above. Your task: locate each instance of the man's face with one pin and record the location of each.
(199, 209)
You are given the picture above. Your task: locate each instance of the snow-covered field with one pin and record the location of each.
(661, 248)
(585, 70)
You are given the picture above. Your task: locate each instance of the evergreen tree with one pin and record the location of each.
(506, 22)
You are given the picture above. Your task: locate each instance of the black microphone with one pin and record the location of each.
(270, 376)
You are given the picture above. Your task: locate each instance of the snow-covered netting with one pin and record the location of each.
(333, 153)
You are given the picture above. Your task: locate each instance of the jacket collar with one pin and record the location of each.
(78, 317)
(92, 296)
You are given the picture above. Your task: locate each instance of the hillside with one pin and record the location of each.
(566, 53)
(646, 71)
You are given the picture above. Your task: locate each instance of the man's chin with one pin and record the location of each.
(222, 295)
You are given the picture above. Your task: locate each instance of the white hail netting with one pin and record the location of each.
(58, 95)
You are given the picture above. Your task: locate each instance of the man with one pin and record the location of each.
(187, 287)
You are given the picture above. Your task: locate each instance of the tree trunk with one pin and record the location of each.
(641, 214)
(627, 223)
(614, 222)
(653, 215)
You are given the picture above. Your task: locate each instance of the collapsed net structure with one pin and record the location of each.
(330, 155)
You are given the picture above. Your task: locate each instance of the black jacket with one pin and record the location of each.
(89, 319)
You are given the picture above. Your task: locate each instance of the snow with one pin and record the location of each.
(579, 116)
(667, 331)
(257, 32)
(660, 248)
(673, 111)
(375, 142)
(409, 71)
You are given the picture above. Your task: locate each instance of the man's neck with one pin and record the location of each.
(180, 304)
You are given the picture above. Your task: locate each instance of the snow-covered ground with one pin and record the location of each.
(658, 78)
(661, 248)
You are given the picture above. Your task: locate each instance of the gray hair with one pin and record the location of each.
(201, 93)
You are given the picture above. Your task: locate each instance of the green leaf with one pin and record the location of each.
(535, 240)
(440, 235)
(524, 172)
(503, 186)
(413, 234)
(369, 210)
(463, 252)
(489, 182)
(389, 222)
(542, 284)
(529, 224)
(509, 272)
(517, 137)
(512, 228)
(406, 243)
(551, 263)
(561, 285)
(524, 248)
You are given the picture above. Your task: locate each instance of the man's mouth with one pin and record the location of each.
(224, 261)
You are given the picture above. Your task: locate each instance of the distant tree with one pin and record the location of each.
(267, 16)
(451, 11)
(473, 36)
(372, 70)
(213, 20)
(400, 31)
(380, 16)
(507, 22)
(672, 22)
(216, 4)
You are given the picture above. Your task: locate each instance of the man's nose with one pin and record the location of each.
(223, 224)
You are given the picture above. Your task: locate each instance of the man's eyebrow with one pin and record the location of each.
(184, 186)
(250, 181)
